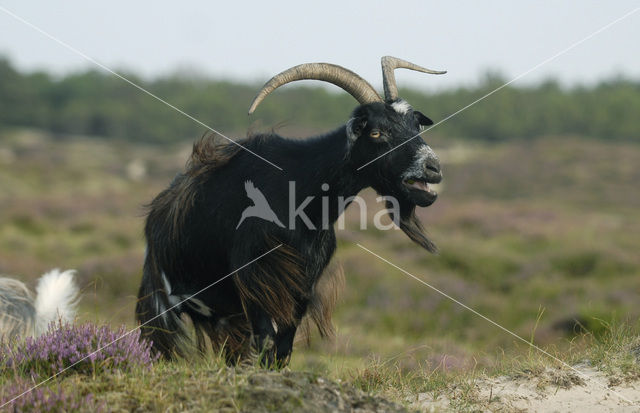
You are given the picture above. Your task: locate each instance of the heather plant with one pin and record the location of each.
(19, 398)
(85, 348)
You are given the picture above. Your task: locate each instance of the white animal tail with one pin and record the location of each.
(56, 299)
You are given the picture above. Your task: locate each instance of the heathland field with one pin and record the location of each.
(540, 236)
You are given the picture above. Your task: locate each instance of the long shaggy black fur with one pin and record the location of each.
(193, 241)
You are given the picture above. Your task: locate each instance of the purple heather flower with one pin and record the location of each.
(93, 348)
(43, 399)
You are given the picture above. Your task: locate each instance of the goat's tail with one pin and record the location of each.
(160, 323)
(22, 315)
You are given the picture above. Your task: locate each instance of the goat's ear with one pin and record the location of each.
(355, 126)
(423, 120)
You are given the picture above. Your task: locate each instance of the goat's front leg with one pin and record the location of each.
(286, 335)
(284, 344)
(264, 335)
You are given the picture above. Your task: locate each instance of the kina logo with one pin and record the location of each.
(260, 208)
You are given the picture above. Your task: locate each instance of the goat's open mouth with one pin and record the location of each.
(417, 184)
(419, 191)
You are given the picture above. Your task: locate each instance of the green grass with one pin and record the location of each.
(208, 384)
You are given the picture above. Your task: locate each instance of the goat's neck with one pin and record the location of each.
(343, 181)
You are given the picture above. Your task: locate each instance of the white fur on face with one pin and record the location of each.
(401, 106)
(416, 168)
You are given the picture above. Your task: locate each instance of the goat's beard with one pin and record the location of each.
(411, 225)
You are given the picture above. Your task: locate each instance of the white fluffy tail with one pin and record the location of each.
(56, 299)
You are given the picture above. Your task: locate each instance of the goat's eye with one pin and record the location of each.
(375, 134)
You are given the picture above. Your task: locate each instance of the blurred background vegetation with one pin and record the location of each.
(99, 104)
(537, 222)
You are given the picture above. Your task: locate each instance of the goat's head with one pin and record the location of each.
(386, 148)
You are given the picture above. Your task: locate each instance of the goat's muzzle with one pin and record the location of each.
(424, 170)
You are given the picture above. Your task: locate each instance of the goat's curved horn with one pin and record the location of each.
(389, 79)
(337, 75)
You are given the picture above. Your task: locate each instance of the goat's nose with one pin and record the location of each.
(433, 168)
(434, 173)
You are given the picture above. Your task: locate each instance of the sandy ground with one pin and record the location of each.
(549, 391)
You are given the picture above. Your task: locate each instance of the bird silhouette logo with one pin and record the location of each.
(260, 207)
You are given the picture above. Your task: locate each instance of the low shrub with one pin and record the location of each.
(85, 348)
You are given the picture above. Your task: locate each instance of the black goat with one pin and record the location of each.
(196, 235)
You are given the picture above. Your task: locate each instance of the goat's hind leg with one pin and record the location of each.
(231, 338)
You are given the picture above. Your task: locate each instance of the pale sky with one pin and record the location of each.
(253, 41)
